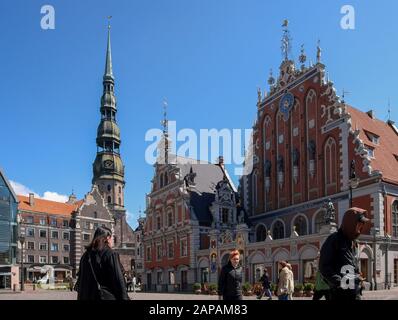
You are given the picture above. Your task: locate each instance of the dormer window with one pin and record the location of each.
(374, 138)
(371, 151)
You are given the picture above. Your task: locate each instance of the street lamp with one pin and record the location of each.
(22, 241)
(354, 181)
(375, 232)
(387, 242)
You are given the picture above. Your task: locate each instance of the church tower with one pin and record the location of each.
(108, 168)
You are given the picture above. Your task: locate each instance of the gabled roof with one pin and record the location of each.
(8, 185)
(384, 152)
(47, 206)
(203, 191)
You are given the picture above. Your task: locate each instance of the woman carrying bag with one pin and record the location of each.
(100, 272)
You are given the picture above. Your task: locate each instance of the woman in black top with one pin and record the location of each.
(230, 280)
(100, 266)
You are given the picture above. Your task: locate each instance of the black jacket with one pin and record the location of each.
(338, 251)
(107, 268)
(265, 282)
(230, 281)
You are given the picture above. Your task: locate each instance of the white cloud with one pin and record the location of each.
(131, 219)
(22, 190)
(54, 196)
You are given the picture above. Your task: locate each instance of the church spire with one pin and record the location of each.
(108, 64)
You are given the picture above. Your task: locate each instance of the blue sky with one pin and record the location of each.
(207, 57)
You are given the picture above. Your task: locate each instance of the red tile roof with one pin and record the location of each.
(384, 152)
(47, 206)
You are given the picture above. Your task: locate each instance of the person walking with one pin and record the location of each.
(230, 280)
(266, 286)
(290, 284)
(134, 283)
(70, 282)
(338, 262)
(100, 272)
(283, 282)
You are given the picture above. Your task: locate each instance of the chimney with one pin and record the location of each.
(31, 199)
(221, 161)
(371, 114)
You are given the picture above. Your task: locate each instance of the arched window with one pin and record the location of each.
(95, 215)
(330, 163)
(301, 225)
(120, 201)
(319, 221)
(166, 179)
(109, 187)
(120, 189)
(395, 219)
(278, 231)
(261, 233)
(109, 199)
(170, 218)
(161, 180)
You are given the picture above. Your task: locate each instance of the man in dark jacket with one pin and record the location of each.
(266, 286)
(338, 262)
(230, 280)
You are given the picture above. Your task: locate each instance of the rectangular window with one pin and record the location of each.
(158, 222)
(86, 237)
(43, 234)
(170, 249)
(87, 225)
(66, 247)
(148, 254)
(54, 234)
(54, 260)
(160, 277)
(43, 246)
(95, 226)
(54, 247)
(43, 259)
(29, 220)
(170, 219)
(66, 235)
(31, 259)
(371, 151)
(31, 245)
(30, 232)
(65, 224)
(184, 248)
(53, 222)
(66, 260)
(159, 252)
(171, 277)
(42, 221)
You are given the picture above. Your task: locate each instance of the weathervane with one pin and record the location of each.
(286, 40)
(344, 94)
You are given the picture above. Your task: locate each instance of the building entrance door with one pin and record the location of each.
(149, 281)
(364, 269)
(184, 280)
(5, 282)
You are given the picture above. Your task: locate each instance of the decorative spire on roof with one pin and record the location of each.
(302, 58)
(271, 79)
(286, 41)
(164, 123)
(108, 64)
(318, 52)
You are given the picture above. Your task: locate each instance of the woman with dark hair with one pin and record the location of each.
(100, 272)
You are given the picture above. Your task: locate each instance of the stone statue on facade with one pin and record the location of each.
(330, 214)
